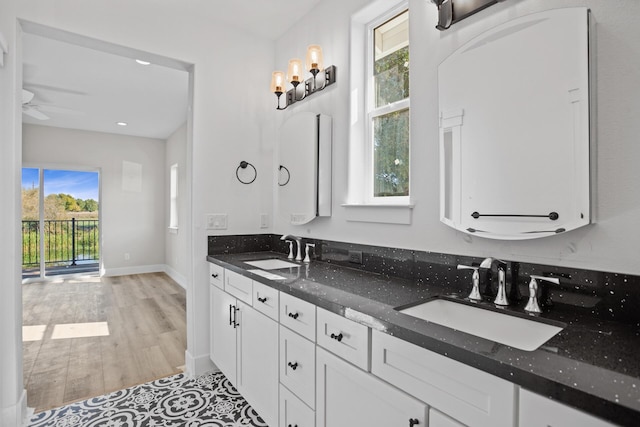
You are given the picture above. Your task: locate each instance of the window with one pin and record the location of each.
(379, 150)
(389, 109)
(387, 101)
(173, 210)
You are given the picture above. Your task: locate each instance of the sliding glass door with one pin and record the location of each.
(60, 222)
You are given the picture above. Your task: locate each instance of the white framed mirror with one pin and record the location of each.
(514, 128)
(304, 168)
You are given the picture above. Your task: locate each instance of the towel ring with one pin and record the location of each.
(243, 165)
(288, 176)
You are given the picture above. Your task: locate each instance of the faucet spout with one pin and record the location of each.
(501, 267)
(298, 240)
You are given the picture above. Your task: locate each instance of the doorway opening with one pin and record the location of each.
(60, 222)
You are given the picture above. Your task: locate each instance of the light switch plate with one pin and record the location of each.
(216, 221)
(264, 220)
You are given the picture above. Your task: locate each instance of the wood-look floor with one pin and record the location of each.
(146, 318)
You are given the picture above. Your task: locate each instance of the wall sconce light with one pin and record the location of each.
(295, 76)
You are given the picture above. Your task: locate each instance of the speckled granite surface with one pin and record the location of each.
(593, 364)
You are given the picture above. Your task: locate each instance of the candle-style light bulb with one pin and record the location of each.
(294, 72)
(277, 82)
(314, 60)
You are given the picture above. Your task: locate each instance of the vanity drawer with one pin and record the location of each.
(265, 300)
(216, 275)
(343, 337)
(539, 411)
(293, 412)
(298, 315)
(298, 366)
(239, 286)
(475, 397)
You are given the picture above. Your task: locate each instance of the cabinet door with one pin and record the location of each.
(223, 332)
(293, 412)
(258, 362)
(438, 419)
(298, 365)
(350, 397)
(538, 411)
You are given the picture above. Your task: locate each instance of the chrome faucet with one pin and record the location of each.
(532, 304)
(289, 238)
(501, 266)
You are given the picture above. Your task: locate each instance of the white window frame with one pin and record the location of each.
(360, 205)
(373, 112)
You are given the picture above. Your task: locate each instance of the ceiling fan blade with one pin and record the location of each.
(33, 112)
(59, 110)
(27, 96)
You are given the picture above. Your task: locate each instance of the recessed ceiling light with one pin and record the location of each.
(141, 62)
(122, 123)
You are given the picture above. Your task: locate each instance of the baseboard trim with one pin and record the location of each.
(139, 269)
(177, 277)
(198, 365)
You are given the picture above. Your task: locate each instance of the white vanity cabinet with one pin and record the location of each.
(348, 396)
(538, 411)
(238, 334)
(257, 359)
(293, 411)
(297, 361)
(300, 365)
(470, 396)
(222, 333)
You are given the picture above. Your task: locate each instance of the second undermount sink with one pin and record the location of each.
(271, 264)
(513, 331)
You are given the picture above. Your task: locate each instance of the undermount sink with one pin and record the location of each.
(271, 264)
(503, 328)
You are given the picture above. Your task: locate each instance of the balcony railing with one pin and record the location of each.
(66, 242)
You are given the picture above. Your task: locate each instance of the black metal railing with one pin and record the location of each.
(66, 242)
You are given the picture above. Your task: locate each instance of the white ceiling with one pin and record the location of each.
(89, 88)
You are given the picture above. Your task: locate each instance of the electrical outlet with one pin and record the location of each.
(216, 221)
(355, 257)
(127, 256)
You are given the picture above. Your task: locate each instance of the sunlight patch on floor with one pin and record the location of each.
(80, 330)
(33, 333)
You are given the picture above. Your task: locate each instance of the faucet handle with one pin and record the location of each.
(475, 279)
(532, 305)
(307, 259)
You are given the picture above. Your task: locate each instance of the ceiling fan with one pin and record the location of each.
(30, 109)
(37, 111)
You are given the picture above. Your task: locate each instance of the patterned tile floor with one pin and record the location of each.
(206, 401)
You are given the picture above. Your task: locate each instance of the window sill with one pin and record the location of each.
(173, 230)
(380, 213)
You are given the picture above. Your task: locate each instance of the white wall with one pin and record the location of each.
(132, 222)
(12, 395)
(176, 254)
(611, 244)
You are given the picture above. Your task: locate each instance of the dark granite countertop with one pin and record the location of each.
(593, 364)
